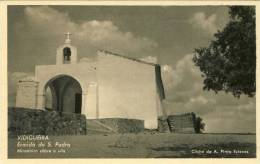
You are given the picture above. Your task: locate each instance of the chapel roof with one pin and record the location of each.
(126, 57)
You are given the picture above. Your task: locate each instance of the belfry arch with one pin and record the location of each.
(66, 55)
(63, 94)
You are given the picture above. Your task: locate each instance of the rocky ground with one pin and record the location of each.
(143, 145)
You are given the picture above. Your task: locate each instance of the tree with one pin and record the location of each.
(229, 62)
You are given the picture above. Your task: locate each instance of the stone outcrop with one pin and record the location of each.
(163, 126)
(183, 123)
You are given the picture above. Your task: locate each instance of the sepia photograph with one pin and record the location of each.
(101, 81)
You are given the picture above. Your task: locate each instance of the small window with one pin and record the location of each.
(66, 55)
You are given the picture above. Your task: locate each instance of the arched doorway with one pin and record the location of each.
(63, 94)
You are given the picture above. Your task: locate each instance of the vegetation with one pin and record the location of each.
(229, 62)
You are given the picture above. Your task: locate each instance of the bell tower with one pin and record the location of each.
(66, 53)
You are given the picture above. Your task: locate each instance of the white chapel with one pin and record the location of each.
(111, 86)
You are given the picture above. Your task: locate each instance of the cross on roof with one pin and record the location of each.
(68, 35)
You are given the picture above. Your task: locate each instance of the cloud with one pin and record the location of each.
(184, 68)
(169, 77)
(203, 22)
(179, 76)
(150, 59)
(41, 32)
(50, 24)
(201, 100)
(221, 112)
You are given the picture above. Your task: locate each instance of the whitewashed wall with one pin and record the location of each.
(112, 87)
(84, 73)
(127, 89)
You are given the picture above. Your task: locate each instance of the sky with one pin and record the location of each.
(166, 35)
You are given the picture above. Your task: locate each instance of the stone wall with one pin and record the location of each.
(114, 125)
(31, 121)
(184, 123)
(26, 94)
(163, 126)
